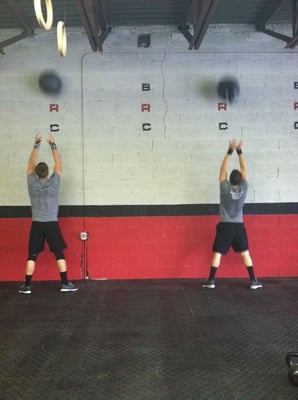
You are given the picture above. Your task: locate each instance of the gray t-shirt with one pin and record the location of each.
(232, 201)
(44, 196)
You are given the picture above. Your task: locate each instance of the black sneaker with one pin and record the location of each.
(210, 284)
(68, 287)
(255, 284)
(25, 289)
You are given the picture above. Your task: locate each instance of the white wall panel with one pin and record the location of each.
(180, 112)
(108, 158)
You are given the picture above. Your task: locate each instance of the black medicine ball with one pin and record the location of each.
(50, 82)
(228, 89)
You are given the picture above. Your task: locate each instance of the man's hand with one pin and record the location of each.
(239, 145)
(57, 159)
(226, 160)
(37, 138)
(239, 148)
(242, 163)
(34, 154)
(233, 144)
(50, 139)
(37, 141)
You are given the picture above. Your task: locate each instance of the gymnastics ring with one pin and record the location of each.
(61, 38)
(47, 25)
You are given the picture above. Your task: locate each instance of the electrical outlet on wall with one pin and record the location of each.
(84, 235)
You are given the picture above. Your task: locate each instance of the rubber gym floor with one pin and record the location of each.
(148, 340)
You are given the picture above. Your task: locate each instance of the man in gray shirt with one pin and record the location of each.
(44, 197)
(230, 231)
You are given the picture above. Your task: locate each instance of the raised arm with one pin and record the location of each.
(34, 154)
(242, 163)
(56, 155)
(223, 172)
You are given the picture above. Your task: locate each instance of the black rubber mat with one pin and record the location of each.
(148, 340)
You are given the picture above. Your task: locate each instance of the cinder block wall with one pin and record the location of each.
(142, 134)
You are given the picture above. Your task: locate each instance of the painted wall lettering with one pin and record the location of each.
(145, 87)
(295, 84)
(146, 107)
(296, 105)
(54, 107)
(146, 127)
(222, 126)
(222, 106)
(296, 125)
(54, 128)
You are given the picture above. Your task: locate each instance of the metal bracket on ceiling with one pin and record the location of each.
(94, 19)
(267, 14)
(198, 16)
(28, 30)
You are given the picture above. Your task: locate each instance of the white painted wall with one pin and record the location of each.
(107, 157)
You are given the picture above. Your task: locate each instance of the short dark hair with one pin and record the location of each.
(235, 177)
(42, 170)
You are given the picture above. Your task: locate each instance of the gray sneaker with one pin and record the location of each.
(68, 287)
(25, 289)
(210, 284)
(255, 284)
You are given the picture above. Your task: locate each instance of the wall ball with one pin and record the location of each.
(50, 82)
(228, 89)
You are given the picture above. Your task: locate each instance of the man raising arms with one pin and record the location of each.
(230, 231)
(44, 197)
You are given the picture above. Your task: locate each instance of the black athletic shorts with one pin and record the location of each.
(230, 234)
(49, 231)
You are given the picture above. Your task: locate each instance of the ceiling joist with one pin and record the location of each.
(27, 29)
(292, 42)
(97, 16)
(198, 16)
(95, 21)
(268, 12)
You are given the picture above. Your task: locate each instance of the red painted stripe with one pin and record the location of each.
(154, 247)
